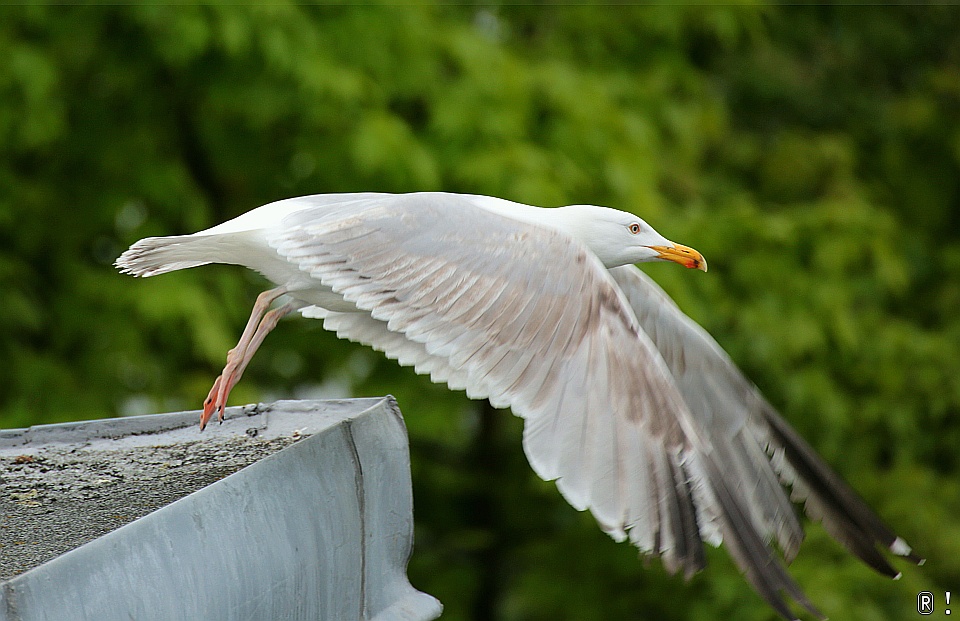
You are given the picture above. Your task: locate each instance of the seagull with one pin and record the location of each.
(628, 404)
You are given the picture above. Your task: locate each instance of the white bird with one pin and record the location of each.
(632, 408)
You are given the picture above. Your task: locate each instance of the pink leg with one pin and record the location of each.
(230, 380)
(237, 355)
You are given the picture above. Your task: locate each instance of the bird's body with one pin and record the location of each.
(634, 410)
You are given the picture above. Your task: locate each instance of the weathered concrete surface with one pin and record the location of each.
(321, 530)
(65, 485)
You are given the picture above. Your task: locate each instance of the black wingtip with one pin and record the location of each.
(844, 514)
(752, 554)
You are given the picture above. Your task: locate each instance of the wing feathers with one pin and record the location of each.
(741, 424)
(529, 319)
(556, 342)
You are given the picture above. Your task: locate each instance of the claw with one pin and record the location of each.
(209, 403)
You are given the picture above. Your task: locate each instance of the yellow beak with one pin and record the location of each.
(685, 256)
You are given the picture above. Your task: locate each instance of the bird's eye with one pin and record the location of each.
(634, 228)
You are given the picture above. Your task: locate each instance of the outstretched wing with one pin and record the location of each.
(753, 442)
(529, 318)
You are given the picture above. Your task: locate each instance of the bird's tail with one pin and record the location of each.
(158, 255)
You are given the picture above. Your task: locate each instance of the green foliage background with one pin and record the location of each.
(812, 154)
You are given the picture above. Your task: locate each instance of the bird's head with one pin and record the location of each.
(621, 238)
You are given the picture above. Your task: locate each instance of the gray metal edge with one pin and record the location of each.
(111, 428)
(310, 532)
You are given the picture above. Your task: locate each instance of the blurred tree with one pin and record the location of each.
(811, 153)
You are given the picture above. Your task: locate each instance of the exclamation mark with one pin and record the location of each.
(948, 603)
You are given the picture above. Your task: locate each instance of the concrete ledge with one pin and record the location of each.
(320, 528)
